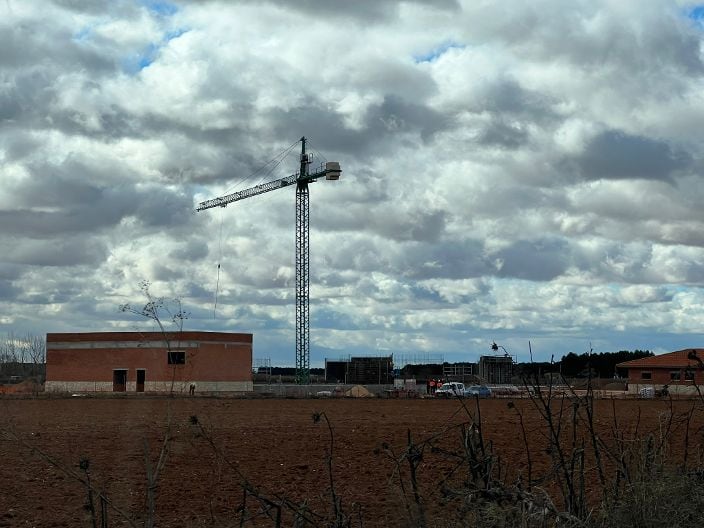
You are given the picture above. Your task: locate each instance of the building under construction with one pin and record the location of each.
(361, 370)
(496, 370)
(462, 372)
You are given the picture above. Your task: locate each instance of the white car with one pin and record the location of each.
(451, 389)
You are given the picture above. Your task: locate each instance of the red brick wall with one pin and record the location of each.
(661, 376)
(210, 356)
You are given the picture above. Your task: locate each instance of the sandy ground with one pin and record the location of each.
(275, 444)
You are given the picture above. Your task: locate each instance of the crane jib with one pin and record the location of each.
(330, 172)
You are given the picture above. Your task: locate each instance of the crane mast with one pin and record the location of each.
(331, 171)
(303, 272)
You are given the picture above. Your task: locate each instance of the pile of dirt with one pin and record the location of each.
(359, 391)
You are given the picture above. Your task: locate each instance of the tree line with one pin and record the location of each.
(571, 365)
(22, 356)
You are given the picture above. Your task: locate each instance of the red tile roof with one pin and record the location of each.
(679, 359)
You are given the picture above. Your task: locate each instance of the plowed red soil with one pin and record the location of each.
(275, 445)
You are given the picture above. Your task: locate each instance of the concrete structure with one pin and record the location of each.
(681, 371)
(496, 370)
(361, 370)
(463, 372)
(148, 362)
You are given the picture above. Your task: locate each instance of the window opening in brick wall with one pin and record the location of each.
(646, 375)
(675, 375)
(176, 357)
(689, 375)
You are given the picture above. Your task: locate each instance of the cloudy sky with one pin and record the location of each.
(512, 171)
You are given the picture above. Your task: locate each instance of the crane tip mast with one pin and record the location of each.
(331, 171)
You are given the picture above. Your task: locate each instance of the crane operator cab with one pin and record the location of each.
(332, 170)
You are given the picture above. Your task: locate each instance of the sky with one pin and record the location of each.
(513, 172)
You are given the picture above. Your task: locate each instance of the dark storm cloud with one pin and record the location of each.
(460, 259)
(396, 115)
(60, 251)
(656, 37)
(8, 291)
(87, 6)
(501, 133)
(41, 224)
(154, 125)
(512, 110)
(80, 206)
(617, 155)
(364, 255)
(167, 272)
(9, 271)
(536, 260)
(508, 98)
(385, 219)
(418, 225)
(163, 208)
(26, 45)
(366, 11)
(189, 251)
(383, 123)
(27, 96)
(59, 292)
(18, 144)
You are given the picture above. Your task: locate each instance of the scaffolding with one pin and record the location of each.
(401, 360)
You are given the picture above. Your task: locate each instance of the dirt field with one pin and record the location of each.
(275, 444)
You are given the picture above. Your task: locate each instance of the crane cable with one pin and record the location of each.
(276, 160)
(217, 281)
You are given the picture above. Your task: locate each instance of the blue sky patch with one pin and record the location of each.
(437, 52)
(696, 14)
(83, 34)
(136, 62)
(160, 7)
(175, 33)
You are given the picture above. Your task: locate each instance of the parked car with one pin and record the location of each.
(450, 390)
(479, 390)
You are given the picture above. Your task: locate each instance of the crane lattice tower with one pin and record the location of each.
(331, 171)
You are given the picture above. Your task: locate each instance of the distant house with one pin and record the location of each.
(680, 370)
(148, 362)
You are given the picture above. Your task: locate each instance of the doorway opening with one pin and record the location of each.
(141, 375)
(119, 380)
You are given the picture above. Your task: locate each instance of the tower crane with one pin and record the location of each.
(331, 171)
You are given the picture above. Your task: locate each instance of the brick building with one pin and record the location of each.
(144, 362)
(680, 371)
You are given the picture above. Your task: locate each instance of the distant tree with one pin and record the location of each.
(601, 364)
(162, 312)
(22, 356)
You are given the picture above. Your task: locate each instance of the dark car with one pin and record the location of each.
(479, 390)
